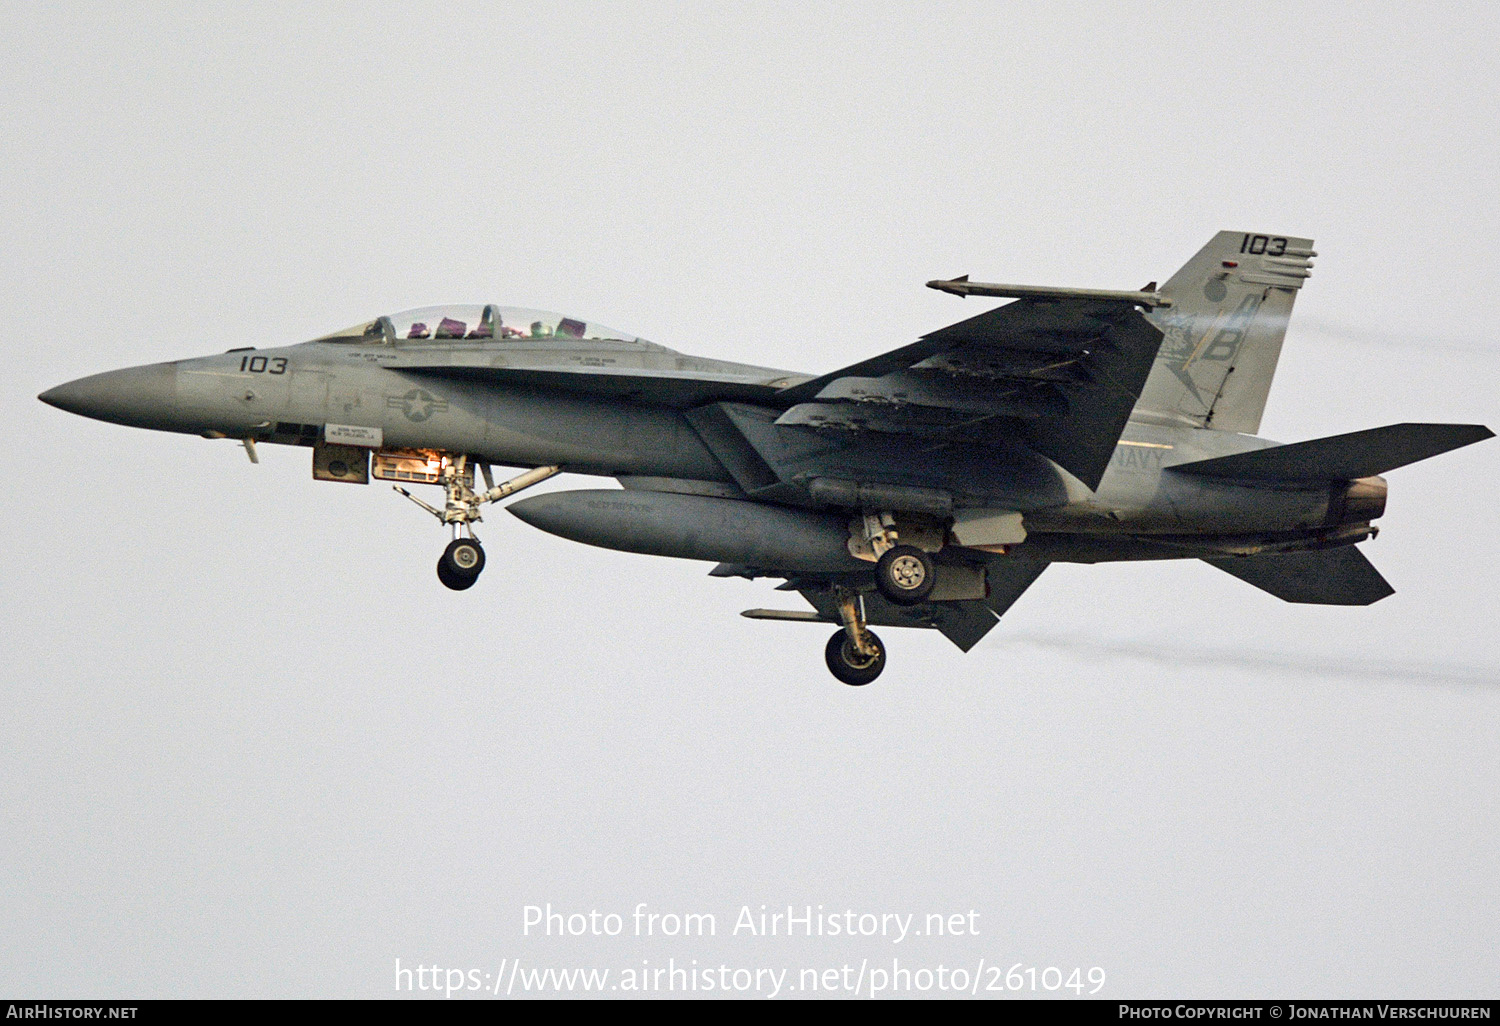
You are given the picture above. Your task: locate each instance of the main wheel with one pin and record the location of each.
(846, 663)
(905, 575)
(460, 564)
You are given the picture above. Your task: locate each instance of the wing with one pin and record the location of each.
(962, 623)
(1058, 376)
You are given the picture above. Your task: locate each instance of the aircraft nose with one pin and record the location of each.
(136, 396)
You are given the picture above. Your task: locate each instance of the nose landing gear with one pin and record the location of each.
(463, 560)
(461, 563)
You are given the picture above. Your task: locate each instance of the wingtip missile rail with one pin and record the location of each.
(963, 287)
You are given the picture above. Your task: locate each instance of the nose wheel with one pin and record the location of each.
(463, 560)
(461, 563)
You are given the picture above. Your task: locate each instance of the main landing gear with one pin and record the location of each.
(463, 560)
(905, 574)
(854, 655)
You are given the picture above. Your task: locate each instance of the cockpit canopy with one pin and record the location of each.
(476, 323)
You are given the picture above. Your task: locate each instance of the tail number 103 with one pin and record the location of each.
(260, 365)
(1267, 244)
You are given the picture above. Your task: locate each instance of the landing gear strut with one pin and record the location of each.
(463, 560)
(904, 573)
(854, 655)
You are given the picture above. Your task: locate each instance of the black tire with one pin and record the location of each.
(845, 662)
(905, 575)
(451, 580)
(463, 559)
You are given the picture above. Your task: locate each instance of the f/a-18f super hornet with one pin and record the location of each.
(928, 486)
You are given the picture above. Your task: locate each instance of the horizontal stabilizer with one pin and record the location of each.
(1325, 577)
(1342, 457)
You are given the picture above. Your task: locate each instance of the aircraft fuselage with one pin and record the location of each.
(289, 394)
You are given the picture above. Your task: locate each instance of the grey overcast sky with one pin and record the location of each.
(251, 747)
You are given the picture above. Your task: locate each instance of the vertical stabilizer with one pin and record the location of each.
(1222, 334)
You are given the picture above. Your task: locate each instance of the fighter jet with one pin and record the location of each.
(925, 487)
